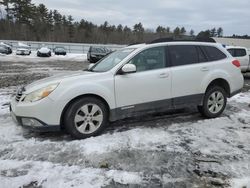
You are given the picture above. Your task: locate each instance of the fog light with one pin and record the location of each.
(31, 122)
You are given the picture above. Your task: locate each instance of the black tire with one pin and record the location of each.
(205, 110)
(73, 109)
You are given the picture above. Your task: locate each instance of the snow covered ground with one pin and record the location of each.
(160, 150)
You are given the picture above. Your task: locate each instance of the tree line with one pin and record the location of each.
(23, 20)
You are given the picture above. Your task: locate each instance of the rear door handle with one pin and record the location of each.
(164, 75)
(204, 69)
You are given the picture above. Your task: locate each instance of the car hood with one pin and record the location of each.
(59, 79)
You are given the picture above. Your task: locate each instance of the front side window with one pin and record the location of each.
(183, 55)
(111, 60)
(149, 59)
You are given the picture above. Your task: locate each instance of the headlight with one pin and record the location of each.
(40, 93)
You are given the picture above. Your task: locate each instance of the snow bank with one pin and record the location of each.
(49, 175)
(240, 182)
(4, 100)
(241, 98)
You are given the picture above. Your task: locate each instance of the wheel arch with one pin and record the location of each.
(78, 97)
(222, 83)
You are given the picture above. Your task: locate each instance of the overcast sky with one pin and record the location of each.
(232, 15)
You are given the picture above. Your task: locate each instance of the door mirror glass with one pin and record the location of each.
(129, 68)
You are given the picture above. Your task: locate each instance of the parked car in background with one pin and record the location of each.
(97, 53)
(23, 49)
(241, 54)
(5, 48)
(44, 52)
(132, 81)
(60, 51)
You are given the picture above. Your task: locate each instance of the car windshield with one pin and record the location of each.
(111, 60)
(99, 50)
(24, 47)
(60, 48)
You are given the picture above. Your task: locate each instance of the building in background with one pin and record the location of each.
(234, 42)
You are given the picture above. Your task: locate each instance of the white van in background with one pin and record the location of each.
(241, 54)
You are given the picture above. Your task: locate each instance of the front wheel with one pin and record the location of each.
(214, 102)
(86, 117)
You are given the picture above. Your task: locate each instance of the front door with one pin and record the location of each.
(149, 88)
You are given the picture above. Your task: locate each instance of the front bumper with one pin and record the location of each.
(31, 123)
(22, 53)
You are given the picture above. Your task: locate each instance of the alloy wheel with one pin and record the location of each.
(88, 118)
(215, 102)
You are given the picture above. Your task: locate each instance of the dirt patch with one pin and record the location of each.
(21, 73)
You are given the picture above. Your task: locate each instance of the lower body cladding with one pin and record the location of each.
(156, 106)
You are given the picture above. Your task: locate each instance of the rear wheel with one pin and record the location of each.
(214, 102)
(86, 117)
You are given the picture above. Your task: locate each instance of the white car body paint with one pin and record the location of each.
(126, 91)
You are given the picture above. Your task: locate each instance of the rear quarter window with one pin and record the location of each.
(213, 53)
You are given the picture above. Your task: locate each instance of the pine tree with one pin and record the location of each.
(213, 32)
(23, 11)
(177, 31)
(183, 31)
(191, 32)
(220, 32)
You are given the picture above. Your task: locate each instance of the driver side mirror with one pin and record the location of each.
(90, 65)
(128, 68)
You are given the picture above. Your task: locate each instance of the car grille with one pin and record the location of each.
(19, 93)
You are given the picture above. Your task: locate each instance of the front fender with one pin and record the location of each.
(75, 90)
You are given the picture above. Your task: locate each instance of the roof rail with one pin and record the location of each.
(135, 43)
(199, 39)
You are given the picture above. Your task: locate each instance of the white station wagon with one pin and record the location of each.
(132, 81)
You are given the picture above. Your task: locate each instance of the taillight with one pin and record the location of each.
(236, 63)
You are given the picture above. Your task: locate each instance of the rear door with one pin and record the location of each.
(190, 65)
(187, 73)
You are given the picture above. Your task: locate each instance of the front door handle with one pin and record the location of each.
(164, 75)
(204, 69)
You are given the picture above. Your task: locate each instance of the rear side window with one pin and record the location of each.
(213, 53)
(201, 56)
(183, 55)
